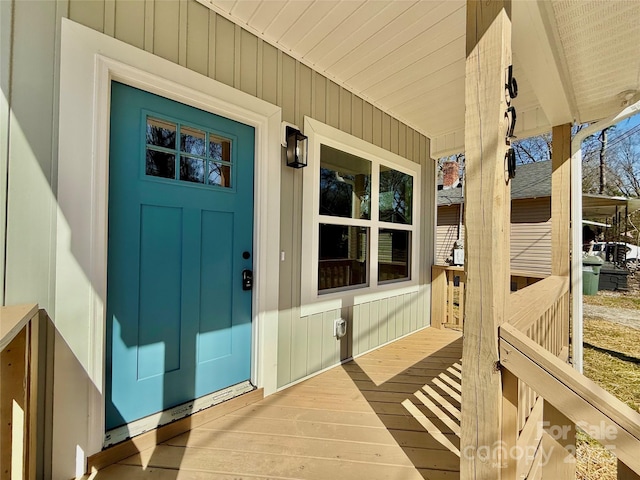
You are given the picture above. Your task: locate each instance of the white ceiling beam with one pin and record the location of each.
(535, 48)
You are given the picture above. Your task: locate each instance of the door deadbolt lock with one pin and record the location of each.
(247, 280)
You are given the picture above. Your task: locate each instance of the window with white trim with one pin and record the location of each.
(360, 219)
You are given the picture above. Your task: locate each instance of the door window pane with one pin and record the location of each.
(201, 156)
(219, 174)
(192, 141)
(160, 164)
(396, 196)
(394, 254)
(219, 148)
(345, 184)
(192, 169)
(161, 133)
(342, 259)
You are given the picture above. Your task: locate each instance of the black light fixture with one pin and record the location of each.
(296, 144)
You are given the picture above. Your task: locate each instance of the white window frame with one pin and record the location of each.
(313, 301)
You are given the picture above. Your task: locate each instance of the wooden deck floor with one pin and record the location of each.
(392, 414)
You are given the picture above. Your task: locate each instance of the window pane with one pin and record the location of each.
(219, 174)
(160, 164)
(396, 196)
(219, 148)
(343, 256)
(345, 184)
(192, 169)
(394, 254)
(161, 133)
(192, 140)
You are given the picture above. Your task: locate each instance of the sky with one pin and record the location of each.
(630, 122)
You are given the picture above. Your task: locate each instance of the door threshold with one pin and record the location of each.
(206, 411)
(151, 422)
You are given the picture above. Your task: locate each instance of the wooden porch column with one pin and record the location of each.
(487, 225)
(561, 209)
(554, 444)
(560, 199)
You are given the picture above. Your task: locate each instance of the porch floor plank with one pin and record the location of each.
(391, 414)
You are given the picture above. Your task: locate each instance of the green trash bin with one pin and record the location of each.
(591, 265)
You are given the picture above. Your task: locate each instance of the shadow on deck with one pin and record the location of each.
(392, 414)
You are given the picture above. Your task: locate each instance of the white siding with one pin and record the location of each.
(447, 232)
(530, 234)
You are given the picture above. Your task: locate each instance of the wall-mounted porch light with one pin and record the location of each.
(296, 145)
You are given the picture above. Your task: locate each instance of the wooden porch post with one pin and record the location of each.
(561, 208)
(560, 199)
(438, 296)
(487, 223)
(559, 437)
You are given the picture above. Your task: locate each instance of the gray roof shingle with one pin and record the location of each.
(532, 180)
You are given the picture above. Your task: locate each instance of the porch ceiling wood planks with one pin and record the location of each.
(572, 59)
(384, 416)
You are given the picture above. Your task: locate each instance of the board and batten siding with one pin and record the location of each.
(189, 34)
(312, 347)
(530, 234)
(28, 139)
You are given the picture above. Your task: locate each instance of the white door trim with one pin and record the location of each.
(89, 62)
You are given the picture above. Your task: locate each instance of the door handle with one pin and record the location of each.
(247, 280)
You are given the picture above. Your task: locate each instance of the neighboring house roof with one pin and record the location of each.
(532, 180)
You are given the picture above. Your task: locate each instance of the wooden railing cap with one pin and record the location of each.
(13, 319)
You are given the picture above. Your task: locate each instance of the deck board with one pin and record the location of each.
(391, 414)
(312, 447)
(285, 466)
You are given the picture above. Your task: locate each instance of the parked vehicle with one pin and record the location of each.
(618, 252)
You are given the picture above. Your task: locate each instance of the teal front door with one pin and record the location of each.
(179, 247)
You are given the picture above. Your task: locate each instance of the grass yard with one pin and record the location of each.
(610, 299)
(611, 359)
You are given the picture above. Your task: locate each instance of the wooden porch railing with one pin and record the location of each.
(339, 273)
(544, 399)
(447, 292)
(541, 311)
(444, 295)
(19, 350)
